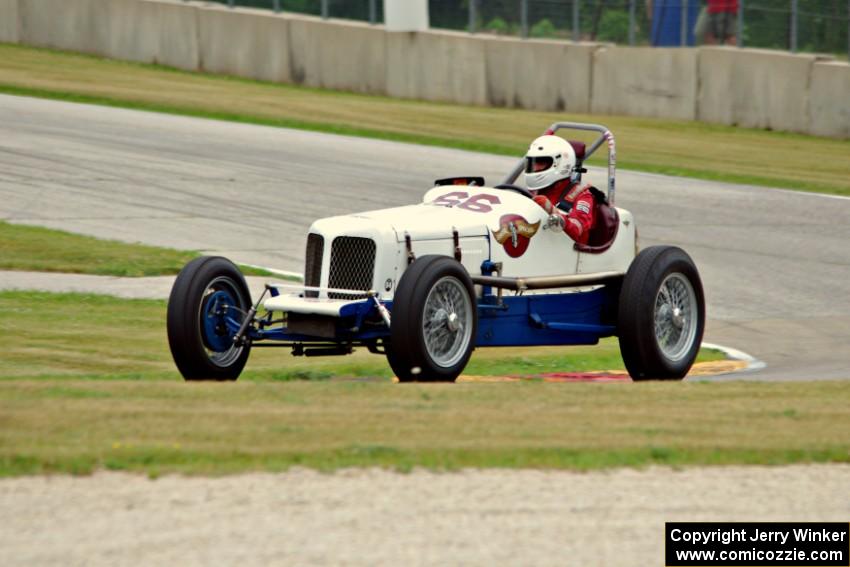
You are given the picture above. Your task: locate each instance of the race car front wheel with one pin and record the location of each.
(661, 314)
(208, 296)
(434, 321)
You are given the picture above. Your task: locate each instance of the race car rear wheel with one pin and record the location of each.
(661, 314)
(207, 292)
(434, 321)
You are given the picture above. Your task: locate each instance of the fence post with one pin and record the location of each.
(523, 18)
(739, 37)
(325, 10)
(632, 22)
(473, 16)
(229, 3)
(794, 26)
(576, 26)
(373, 12)
(683, 24)
(848, 31)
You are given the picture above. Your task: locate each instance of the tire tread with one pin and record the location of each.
(635, 320)
(183, 334)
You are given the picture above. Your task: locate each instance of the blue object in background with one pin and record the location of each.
(667, 22)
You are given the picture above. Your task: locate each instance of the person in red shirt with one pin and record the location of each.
(722, 21)
(552, 176)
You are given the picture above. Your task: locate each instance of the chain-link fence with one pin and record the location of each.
(362, 10)
(591, 20)
(819, 26)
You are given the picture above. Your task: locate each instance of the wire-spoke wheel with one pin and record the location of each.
(220, 300)
(209, 298)
(661, 314)
(675, 316)
(447, 322)
(434, 321)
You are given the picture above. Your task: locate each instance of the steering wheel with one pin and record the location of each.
(516, 189)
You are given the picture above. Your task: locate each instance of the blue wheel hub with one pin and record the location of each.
(216, 307)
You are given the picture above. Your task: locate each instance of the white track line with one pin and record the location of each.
(753, 363)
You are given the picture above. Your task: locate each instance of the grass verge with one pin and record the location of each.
(162, 427)
(37, 249)
(689, 149)
(75, 335)
(88, 383)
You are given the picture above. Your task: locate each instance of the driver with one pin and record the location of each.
(551, 174)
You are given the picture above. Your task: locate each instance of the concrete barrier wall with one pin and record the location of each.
(148, 31)
(335, 55)
(58, 24)
(438, 66)
(178, 37)
(245, 43)
(636, 81)
(538, 74)
(9, 21)
(829, 100)
(133, 31)
(754, 88)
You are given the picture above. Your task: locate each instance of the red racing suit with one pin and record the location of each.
(574, 203)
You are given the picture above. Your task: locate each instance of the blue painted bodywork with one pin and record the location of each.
(552, 319)
(575, 318)
(351, 326)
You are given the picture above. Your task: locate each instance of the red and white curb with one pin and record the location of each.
(752, 363)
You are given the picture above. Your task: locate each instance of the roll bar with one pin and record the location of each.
(605, 136)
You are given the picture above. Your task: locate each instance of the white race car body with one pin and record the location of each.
(476, 215)
(469, 266)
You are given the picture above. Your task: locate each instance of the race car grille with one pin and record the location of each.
(352, 265)
(313, 264)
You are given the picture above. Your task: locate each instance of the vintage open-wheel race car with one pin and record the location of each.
(425, 284)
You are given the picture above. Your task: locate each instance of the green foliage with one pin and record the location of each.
(822, 25)
(543, 28)
(498, 26)
(614, 27)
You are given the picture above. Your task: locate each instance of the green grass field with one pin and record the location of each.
(37, 249)
(67, 336)
(161, 427)
(88, 383)
(688, 149)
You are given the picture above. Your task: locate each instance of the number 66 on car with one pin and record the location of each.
(469, 266)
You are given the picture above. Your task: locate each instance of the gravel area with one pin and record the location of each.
(375, 517)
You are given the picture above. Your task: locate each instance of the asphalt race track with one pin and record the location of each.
(775, 264)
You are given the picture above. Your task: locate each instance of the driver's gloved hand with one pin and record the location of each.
(545, 203)
(555, 221)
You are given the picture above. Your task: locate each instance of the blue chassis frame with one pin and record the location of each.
(571, 318)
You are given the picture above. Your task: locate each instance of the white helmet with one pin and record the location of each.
(549, 159)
